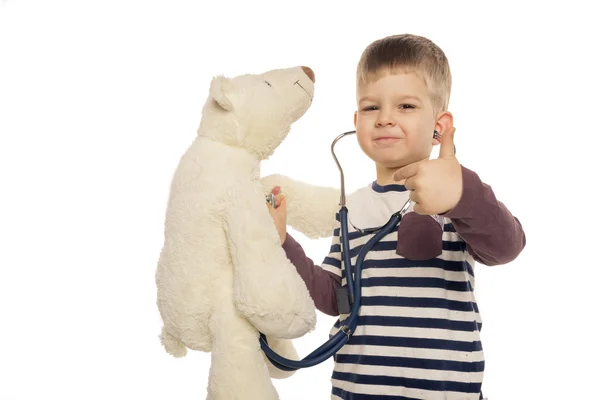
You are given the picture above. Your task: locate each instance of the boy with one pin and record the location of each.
(418, 331)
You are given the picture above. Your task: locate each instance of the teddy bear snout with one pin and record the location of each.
(309, 72)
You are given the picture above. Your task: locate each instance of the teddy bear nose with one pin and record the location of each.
(309, 72)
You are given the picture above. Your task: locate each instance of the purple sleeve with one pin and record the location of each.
(321, 284)
(492, 234)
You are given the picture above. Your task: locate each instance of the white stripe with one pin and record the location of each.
(361, 240)
(447, 255)
(409, 352)
(436, 293)
(418, 312)
(393, 236)
(401, 391)
(451, 237)
(420, 333)
(335, 270)
(421, 272)
(411, 373)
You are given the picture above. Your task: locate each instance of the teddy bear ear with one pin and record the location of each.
(221, 89)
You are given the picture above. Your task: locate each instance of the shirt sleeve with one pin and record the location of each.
(492, 234)
(321, 281)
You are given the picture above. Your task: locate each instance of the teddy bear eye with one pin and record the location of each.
(268, 83)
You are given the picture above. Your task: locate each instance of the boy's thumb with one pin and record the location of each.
(283, 204)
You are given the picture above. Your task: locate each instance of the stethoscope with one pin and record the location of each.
(351, 292)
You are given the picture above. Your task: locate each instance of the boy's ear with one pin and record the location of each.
(444, 122)
(355, 113)
(221, 90)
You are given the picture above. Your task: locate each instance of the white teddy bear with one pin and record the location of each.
(222, 276)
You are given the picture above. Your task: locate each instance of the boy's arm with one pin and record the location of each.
(492, 234)
(321, 281)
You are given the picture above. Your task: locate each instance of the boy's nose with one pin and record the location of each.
(309, 72)
(384, 120)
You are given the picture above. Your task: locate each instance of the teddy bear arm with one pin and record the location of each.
(311, 209)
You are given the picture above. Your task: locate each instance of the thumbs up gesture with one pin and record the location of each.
(435, 185)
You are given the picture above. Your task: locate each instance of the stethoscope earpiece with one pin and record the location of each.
(436, 135)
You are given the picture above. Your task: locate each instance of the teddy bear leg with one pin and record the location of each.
(268, 290)
(284, 348)
(238, 370)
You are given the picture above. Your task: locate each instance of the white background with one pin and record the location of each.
(98, 100)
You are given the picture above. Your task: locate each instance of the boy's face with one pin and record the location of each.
(395, 120)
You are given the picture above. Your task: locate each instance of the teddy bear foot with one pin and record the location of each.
(172, 345)
(284, 348)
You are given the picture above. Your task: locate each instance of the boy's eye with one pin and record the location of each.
(370, 108)
(407, 106)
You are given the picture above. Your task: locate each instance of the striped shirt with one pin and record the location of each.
(418, 333)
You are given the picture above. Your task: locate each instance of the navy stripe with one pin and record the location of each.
(391, 245)
(332, 262)
(387, 188)
(354, 396)
(449, 228)
(446, 265)
(454, 266)
(431, 323)
(420, 302)
(414, 322)
(419, 343)
(407, 362)
(441, 386)
(352, 235)
(453, 246)
(417, 282)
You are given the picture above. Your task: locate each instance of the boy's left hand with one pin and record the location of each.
(435, 185)
(279, 213)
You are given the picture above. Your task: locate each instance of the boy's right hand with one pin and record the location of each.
(278, 213)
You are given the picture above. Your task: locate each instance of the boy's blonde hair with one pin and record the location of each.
(409, 54)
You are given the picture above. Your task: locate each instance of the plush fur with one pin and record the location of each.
(222, 276)
(311, 209)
